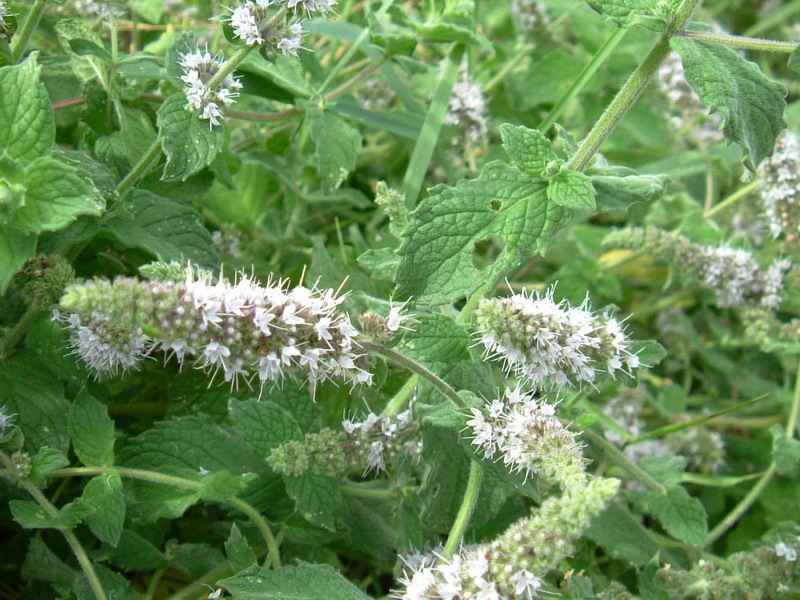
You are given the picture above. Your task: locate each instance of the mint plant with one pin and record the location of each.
(429, 301)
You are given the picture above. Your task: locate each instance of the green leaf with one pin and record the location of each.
(437, 338)
(28, 390)
(436, 265)
(151, 10)
(752, 104)
(337, 145)
(785, 453)
(616, 188)
(45, 462)
(91, 431)
(189, 142)
(794, 60)
(683, 516)
(27, 129)
(104, 494)
(529, 149)
(621, 536)
(263, 425)
(16, 246)
(571, 189)
(316, 497)
(166, 229)
(666, 468)
(32, 516)
(303, 582)
(115, 586)
(42, 564)
(55, 195)
(238, 550)
(652, 14)
(222, 485)
(135, 553)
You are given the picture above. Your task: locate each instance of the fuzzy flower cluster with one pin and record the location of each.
(367, 445)
(733, 274)
(256, 22)
(552, 344)
(781, 190)
(245, 330)
(100, 10)
(199, 68)
(528, 437)
(6, 420)
(467, 108)
(686, 112)
(512, 566)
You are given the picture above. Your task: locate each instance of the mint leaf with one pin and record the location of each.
(652, 14)
(303, 582)
(437, 338)
(571, 189)
(682, 516)
(622, 536)
(618, 192)
(55, 195)
(16, 246)
(316, 497)
(45, 462)
(751, 103)
(32, 516)
(27, 129)
(42, 564)
(666, 468)
(189, 142)
(337, 145)
(785, 453)
(436, 265)
(238, 550)
(529, 149)
(220, 486)
(166, 229)
(263, 425)
(91, 431)
(104, 494)
(28, 390)
(794, 60)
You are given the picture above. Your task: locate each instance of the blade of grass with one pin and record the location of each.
(423, 150)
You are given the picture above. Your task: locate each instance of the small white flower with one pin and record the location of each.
(199, 68)
(311, 6)
(291, 42)
(6, 419)
(4, 12)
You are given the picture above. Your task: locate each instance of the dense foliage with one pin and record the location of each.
(426, 300)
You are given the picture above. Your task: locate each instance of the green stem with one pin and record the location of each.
(508, 67)
(180, 482)
(16, 334)
(23, 35)
(229, 66)
(431, 127)
(584, 77)
(140, 168)
(69, 535)
(465, 511)
(629, 93)
(152, 585)
(623, 461)
(738, 41)
(419, 369)
(399, 400)
(199, 587)
(733, 198)
(742, 507)
(761, 484)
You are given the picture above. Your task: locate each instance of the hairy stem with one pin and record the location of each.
(140, 168)
(20, 40)
(465, 510)
(199, 587)
(16, 334)
(629, 93)
(72, 540)
(738, 41)
(417, 368)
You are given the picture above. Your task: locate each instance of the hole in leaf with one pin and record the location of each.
(495, 205)
(486, 251)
